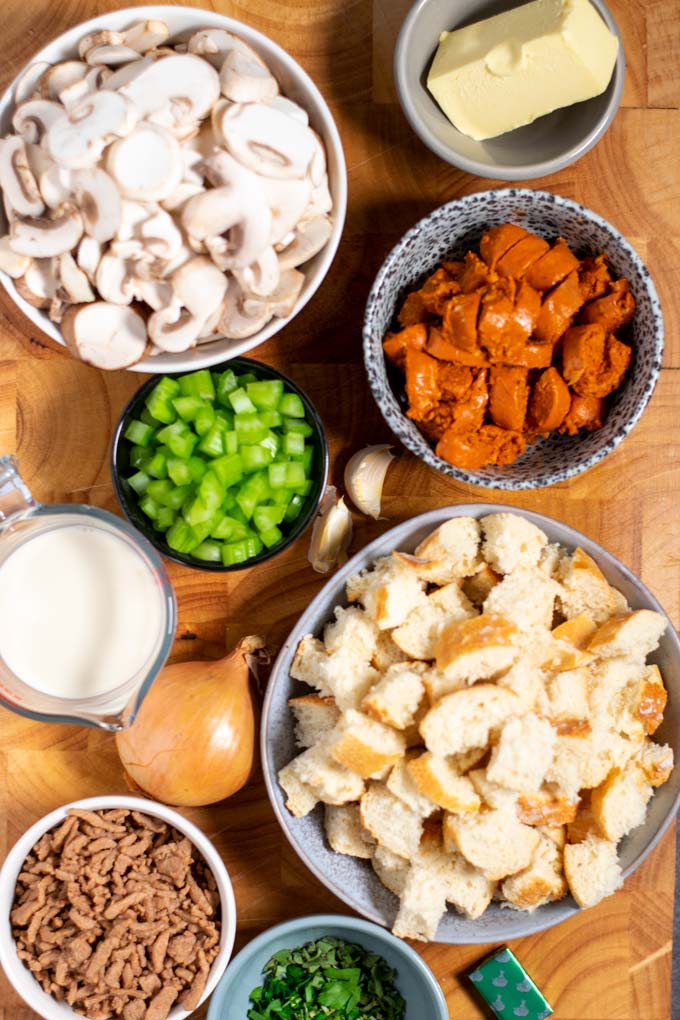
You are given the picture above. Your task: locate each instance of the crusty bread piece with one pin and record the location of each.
(352, 631)
(651, 698)
(395, 698)
(557, 833)
(565, 696)
(401, 783)
(523, 753)
(592, 870)
(386, 653)
(478, 585)
(390, 821)
(467, 888)
(619, 804)
(579, 762)
(511, 541)
(300, 798)
(615, 690)
(554, 656)
(389, 591)
(422, 904)
(418, 634)
(345, 833)
(542, 882)
(526, 680)
(364, 745)
(315, 717)
(585, 589)
(493, 840)
(525, 597)
(583, 823)
(437, 779)
(452, 550)
(438, 684)
(546, 807)
(466, 718)
(478, 648)
(655, 761)
(310, 664)
(633, 634)
(550, 559)
(344, 675)
(492, 794)
(330, 781)
(577, 631)
(463, 761)
(390, 868)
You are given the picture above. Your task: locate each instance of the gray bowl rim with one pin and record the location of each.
(339, 921)
(501, 171)
(551, 199)
(391, 539)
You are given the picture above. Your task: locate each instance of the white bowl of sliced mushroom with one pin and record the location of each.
(174, 189)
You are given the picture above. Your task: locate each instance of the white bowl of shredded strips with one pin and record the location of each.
(142, 265)
(186, 959)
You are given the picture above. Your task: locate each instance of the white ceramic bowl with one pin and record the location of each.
(21, 978)
(295, 84)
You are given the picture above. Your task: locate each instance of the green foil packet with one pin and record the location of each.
(510, 992)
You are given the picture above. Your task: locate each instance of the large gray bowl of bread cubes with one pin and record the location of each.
(469, 735)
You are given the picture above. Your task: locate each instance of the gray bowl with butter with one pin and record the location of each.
(548, 144)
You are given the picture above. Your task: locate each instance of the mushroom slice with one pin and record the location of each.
(78, 138)
(38, 160)
(317, 167)
(33, 119)
(147, 164)
(242, 318)
(104, 37)
(60, 76)
(310, 238)
(283, 300)
(262, 277)
(43, 238)
(146, 35)
(11, 263)
(287, 201)
(105, 335)
(156, 293)
(56, 185)
(320, 203)
(238, 212)
(74, 284)
(200, 286)
(28, 83)
(174, 329)
(39, 283)
(160, 236)
(16, 179)
(133, 215)
(125, 74)
(210, 326)
(111, 56)
(213, 44)
(99, 203)
(290, 108)
(244, 78)
(218, 111)
(267, 141)
(113, 280)
(182, 83)
(88, 256)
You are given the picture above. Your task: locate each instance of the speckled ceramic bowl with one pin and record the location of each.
(454, 229)
(353, 880)
(536, 150)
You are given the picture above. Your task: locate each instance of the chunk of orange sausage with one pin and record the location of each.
(582, 351)
(477, 449)
(550, 401)
(608, 376)
(439, 347)
(614, 310)
(508, 397)
(584, 413)
(521, 257)
(558, 309)
(460, 320)
(497, 241)
(422, 388)
(395, 344)
(552, 267)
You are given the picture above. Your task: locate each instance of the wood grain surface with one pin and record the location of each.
(612, 962)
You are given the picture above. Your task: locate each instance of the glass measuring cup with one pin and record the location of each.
(22, 520)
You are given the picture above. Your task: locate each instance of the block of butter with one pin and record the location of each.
(499, 74)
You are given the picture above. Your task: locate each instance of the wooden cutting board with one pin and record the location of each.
(614, 961)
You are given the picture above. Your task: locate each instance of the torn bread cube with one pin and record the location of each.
(526, 597)
(463, 761)
(315, 717)
(310, 664)
(583, 823)
(344, 675)
(438, 684)
(565, 696)
(635, 634)
(555, 656)
(391, 823)
(492, 794)
(477, 649)
(300, 798)
(364, 745)
(557, 833)
(350, 683)
(493, 840)
(584, 589)
(650, 699)
(418, 634)
(619, 804)
(655, 761)
(330, 781)
(388, 591)
(467, 888)
(592, 870)
(352, 629)
(439, 781)
(523, 753)
(395, 698)
(422, 904)
(345, 833)
(612, 688)
(541, 882)
(526, 680)
(390, 868)
(550, 559)
(511, 541)
(478, 585)
(579, 762)
(577, 631)
(401, 783)
(546, 807)
(386, 653)
(452, 550)
(466, 718)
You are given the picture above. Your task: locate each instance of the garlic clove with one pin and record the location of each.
(365, 476)
(331, 534)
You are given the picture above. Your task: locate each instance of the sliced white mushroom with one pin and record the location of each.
(60, 76)
(33, 119)
(38, 160)
(39, 283)
(200, 286)
(245, 78)
(56, 185)
(132, 216)
(74, 285)
(147, 164)
(111, 56)
(57, 308)
(320, 202)
(160, 236)
(174, 329)
(78, 138)
(99, 202)
(241, 318)
(211, 324)
(146, 35)
(182, 83)
(11, 263)
(113, 280)
(236, 212)
(125, 74)
(287, 201)
(105, 335)
(28, 82)
(88, 256)
(158, 52)
(317, 166)
(218, 111)
(266, 140)
(262, 277)
(213, 44)
(283, 300)
(103, 37)
(17, 182)
(290, 108)
(156, 294)
(310, 238)
(193, 170)
(43, 238)
(170, 265)
(94, 79)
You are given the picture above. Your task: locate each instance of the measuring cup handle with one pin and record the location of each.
(15, 496)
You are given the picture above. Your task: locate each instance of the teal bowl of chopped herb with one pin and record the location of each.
(328, 967)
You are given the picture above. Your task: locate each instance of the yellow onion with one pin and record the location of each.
(364, 478)
(193, 740)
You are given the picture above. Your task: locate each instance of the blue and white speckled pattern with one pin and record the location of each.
(452, 230)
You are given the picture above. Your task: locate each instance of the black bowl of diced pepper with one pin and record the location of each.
(221, 468)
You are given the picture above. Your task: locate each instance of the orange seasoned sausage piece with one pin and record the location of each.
(594, 277)
(559, 307)
(395, 344)
(522, 256)
(608, 376)
(454, 269)
(527, 310)
(612, 311)
(550, 401)
(496, 312)
(439, 347)
(497, 241)
(462, 405)
(413, 310)
(455, 381)
(422, 386)
(475, 274)
(508, 397)
(534, 355)
(437, 290)
(582, 351)
(460, 320)
(585, 413)
(552, 267)
(477, 449)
